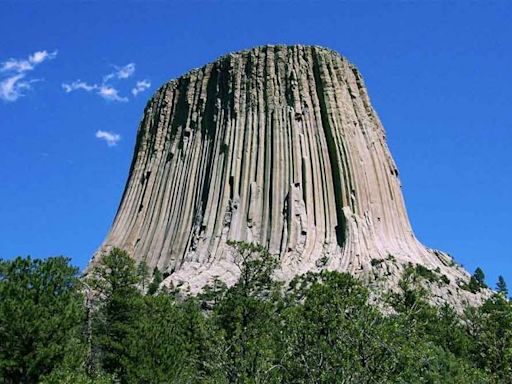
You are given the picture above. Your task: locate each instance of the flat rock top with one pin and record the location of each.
(275, 48)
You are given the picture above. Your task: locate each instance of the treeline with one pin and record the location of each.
(120, 326)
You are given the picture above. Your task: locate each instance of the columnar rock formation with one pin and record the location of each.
(277, 145)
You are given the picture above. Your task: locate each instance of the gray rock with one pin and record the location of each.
(278, 145)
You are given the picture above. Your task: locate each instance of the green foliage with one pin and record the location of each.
(152, 338)
(501, 286)
(375, 262)
(445, 279)
(419, 271)
(426, 273)
(246, 317)
(321, 328)
(66, 375)
(476, 282)
(115, 281)
(172, 342)
(155, 283)
(143, 275)
(491, 329)
(212, 294)
(40, 314)
(480, 277)
(433, 343)
(413, 296)
(331, 334)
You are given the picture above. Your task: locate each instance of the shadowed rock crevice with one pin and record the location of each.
(334, 154)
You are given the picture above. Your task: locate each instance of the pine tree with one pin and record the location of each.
(501, 286)
(155, 283)
(480, 277)
(143, 274)
(477, 281)
(116, 281)
(40, 317)
(245, 316)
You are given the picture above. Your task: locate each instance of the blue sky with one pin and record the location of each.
(74, 79)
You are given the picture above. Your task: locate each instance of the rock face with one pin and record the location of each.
(277, 145)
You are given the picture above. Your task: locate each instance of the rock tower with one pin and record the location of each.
(277, 145)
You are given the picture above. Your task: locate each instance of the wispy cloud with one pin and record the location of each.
(12, 87)
(78, 84)
(110, 93)
(16, 66)
(105, 89)
(14, 80)
(141, 86)
(110, 138)
(121, 72)
(40, 56)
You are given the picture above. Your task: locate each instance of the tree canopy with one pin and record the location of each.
(320, 328)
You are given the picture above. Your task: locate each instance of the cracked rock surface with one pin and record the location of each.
(278, 145)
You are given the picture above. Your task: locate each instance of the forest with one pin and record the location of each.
(119, 324)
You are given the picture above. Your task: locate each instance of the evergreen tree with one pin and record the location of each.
(320, 329)
(501, 286)
(490, 326)
(246, 315)
(76, 375)
(116, 281)
(330, 332)
(40, 317)
(477, 281)
(173, 342)
(155, 283)
(480, 277)
(143, 275)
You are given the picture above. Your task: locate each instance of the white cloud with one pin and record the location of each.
(14, 81)
(78, 84)
(40, 56)
(121, 72)
(16, 66)
(111, 138)
(12, 87)
(110, 93)
(141, 86)
(126, 71)
(106, 90)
